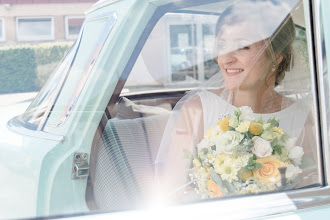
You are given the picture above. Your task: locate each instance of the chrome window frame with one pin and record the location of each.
(322, 103)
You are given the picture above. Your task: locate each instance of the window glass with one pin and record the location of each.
(35, 29)
(73, 25)
(71, 71)
(94, 34)
(183, 42)
(220, 102)
(35, 112)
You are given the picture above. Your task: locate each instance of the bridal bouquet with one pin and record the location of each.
(242, 154)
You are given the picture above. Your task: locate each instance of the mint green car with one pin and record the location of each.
(85, 146)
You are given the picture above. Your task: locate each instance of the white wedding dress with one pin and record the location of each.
(292, 119)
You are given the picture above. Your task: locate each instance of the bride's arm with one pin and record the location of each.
(183, 132)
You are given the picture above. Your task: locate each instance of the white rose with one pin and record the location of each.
(226, 142)
(261, 148)
(246, 114)
(205, 143)
(295, 154)
(292, 172)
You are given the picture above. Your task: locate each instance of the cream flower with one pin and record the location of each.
(233, 122)
(213, 133)
(261, 148)
(279, 130)
(270, 135)
(246, 114)
(228, 171)
(205, 143)
(243, 160)
(291, 143)
(228, 141)
(295, 154)
(197, 164)
(220, 159)
(292, 172)
(243, 127)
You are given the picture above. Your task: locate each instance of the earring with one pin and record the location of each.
(273, 68)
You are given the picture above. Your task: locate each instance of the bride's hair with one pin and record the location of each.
(279, 43)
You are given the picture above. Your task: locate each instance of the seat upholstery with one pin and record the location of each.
(124, 169)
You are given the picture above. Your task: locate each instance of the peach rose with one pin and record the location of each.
(269, 173)
(214, 189)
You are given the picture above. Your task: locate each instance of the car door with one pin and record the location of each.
(112, 114)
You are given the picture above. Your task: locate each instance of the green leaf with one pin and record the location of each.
(238, 112)
(251, 161)
(216, 178)
(249, 167)
(213, 147)
(260, 121)
(278, 149)
(258, 166)
(205, 150)
(273, 121)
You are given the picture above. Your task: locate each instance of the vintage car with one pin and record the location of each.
(87, 143)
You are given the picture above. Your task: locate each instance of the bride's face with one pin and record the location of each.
(242, 59)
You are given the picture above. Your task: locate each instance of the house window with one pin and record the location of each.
(2, 30)
(35, 29)
(73, 25)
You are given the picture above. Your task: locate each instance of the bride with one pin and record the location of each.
(253, 48)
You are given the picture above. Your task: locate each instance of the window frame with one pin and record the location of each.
(3, 29)
(39, 37)
(69, 36)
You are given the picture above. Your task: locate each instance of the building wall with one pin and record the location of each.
(10, 10)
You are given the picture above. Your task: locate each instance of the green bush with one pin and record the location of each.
(26, 68)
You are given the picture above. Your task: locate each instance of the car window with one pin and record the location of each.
(182, 44)
(143, 144)
(74, 71)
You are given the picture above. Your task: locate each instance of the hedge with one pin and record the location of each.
(25, 68)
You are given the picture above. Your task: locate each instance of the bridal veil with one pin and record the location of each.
(242, 24)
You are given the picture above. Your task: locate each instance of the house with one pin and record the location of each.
(35, 21)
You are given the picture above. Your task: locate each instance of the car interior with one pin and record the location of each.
(126, 143)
